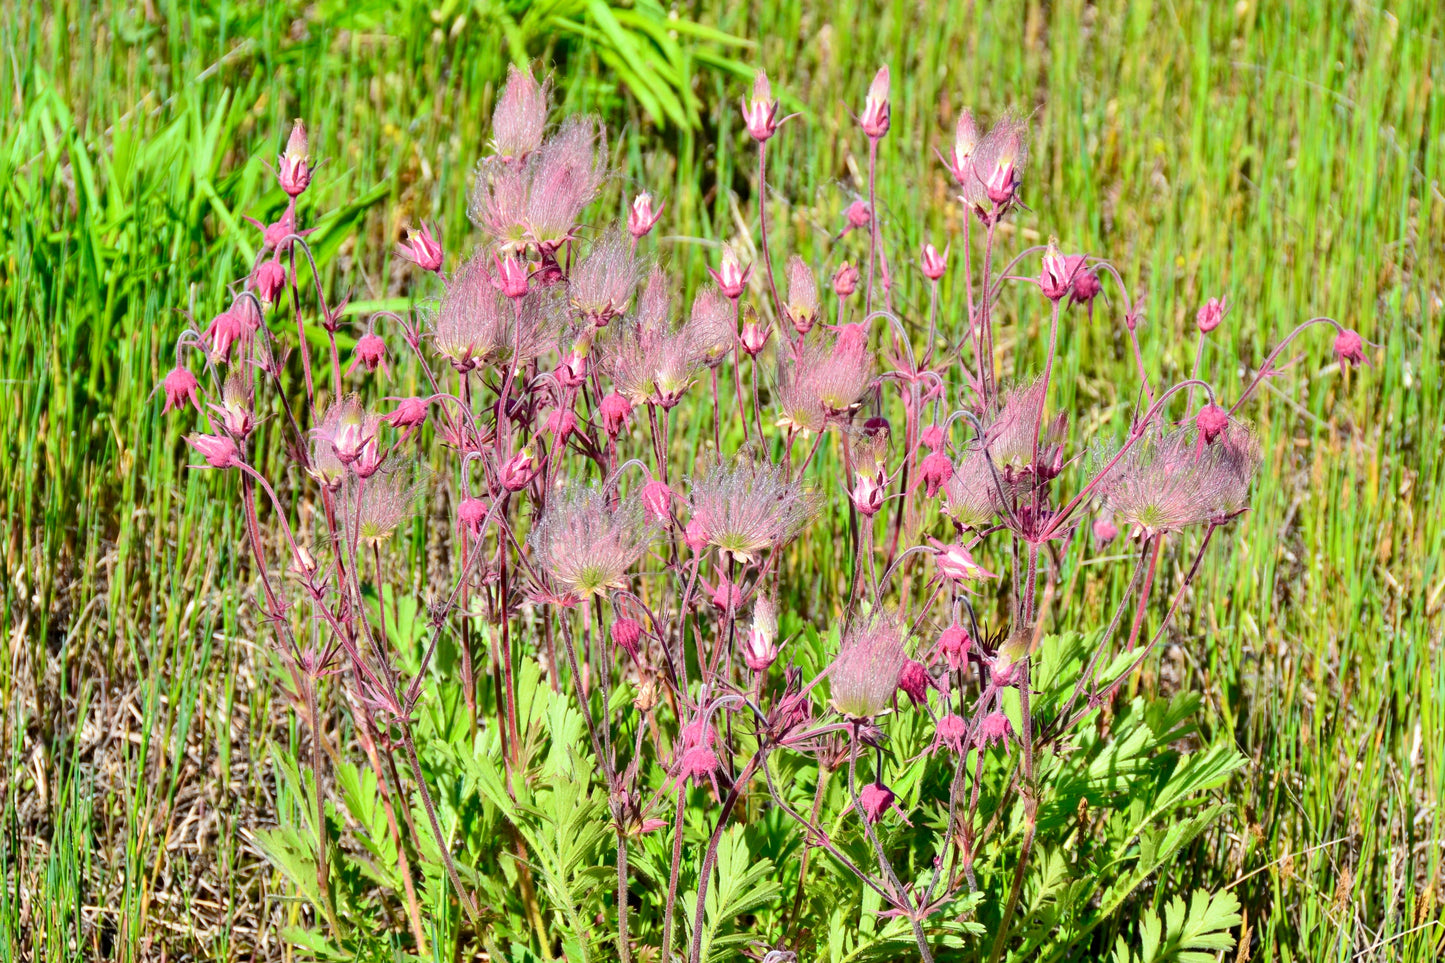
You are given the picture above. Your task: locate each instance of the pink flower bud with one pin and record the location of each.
(951, 731)
(293, 167)
(933, 437)
(303, 563)
(615, 410)
(731, 276)
(955, 562)
(935, 471)
(368, 460)
(626, 635)
(511, 278)
(561, 423)
(858, 215)
(876, 799)
(994, 728)
(728, 596)
(699, 763)
(224, 330)
(657, 499)
(472, 515)
(1105, 531)
(934, 263)
(421, 249)
(914, 679)
(181, 388)
(868, 492)
(518, 471)
(760, 113)
(754, 336)
(760, 648)
(954, 643)
(695, 534)
(220, 451)
(1209, 317)
(641, 218)
(571, 371)
(269, 279)
(1054, 275)
(409, 414)
(1211, 422)
(845, 280)
(1350, 348)
(875, 117)
(1085, 288)
(369, 353)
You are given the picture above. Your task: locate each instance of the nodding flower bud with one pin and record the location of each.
(875, 116)
(802, 306)
(935, 471)
(934, 263)
(223, 331)
(1211, 314)
(562, 423)
(422, 249)
(965, 142)
(914, 679)
(517, 472)
(626, 635)
(472, 515)
(954, 643)
(731, 276)
(641, 218)
(755, 335)
(571, 370)
(293, 167)
(409, 414)
(728, 596)
(994, 728)
(615, 410)
(1350, 348)
(657, 499)
(695, 534)
(876, 799)
(181, 388)
(951, 731)
(1054, 275)
(511, 278)
(956, 563)
(303, 563)
(845, 280)
(1211, 422)
(1105, 531)
(370, 353)
(760, 112)
(867, 493)
(220, 451)
(761, 646)
(1085, 288)
(269, 279)
(858, 215)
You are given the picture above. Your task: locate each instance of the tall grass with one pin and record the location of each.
(1289, 156)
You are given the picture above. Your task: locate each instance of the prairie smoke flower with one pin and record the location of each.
(570, 168)
(965, 142)
(498, 204)
(1211, 314)
(585, 546)
(269, 279)
(600, 287)
(823, 381)
(956, 563)
(802, 305)
(1105, 531)
(934, 263)
(728, 596)
(864, 676)
(858, 215)
(641, 217)
(731, 276)
(876, 799)
(370, 353)
(994, 728)
(914, 679)
(1350, 348)
(970, 495)
(561, 423)
(932, 437)
(181, 388)
(951, 731)
(710, 328)
(220, 451)
(875, 117)
(224, 330)
(868, 490)
(235, 407)
(654, 304)
(472, 515)
(347, 428)
(1085, 287)
(422, 249)
(627, 636)
(408, 415)
(477, 324)
(1168, 480)
(511, 277)
(1211, 422)
(845, 280)
(761, 643)
(615, 411)
(746, 507)
(519, 116)
(935, 472)
(293, 167)
(1056, 274)
(755, 334)
(388, 498)
(657, 499)
(517, 472)
(954, 643)
(760, 113)
(997, 165)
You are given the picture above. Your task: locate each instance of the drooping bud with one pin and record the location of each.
(1085, 288)
(914, 679)
(876, 799)
(933, 437)
(1105, 531)
(760, 112)
(935, 471)
(626, 635)
(409, 414)
(472, 514)
(1211, 314)
(561, 423)
(422, 249)
(954, 643)
(858, 215)
(181, 388)
(269, 279)
(641, 218)
(518, 471)
(370, 353)
(293, 167)
(731, 276)
(220, 451)
(657, 499)
(951, 730)
(875, 117)
(695, 534)
(728, 596)
(615, 410)
(1211, 422)
(934, 263)
(845, 280)
(994, 728)
(1350, 348)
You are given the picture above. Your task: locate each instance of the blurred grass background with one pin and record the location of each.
(1286, 155)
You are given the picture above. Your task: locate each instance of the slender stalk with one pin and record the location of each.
(463, 896)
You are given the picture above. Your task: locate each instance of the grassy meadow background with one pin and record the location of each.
(1288, 156)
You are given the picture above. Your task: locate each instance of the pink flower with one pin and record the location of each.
(875, 117)
(876, 799)
(561, 423)
(1350, 348)
(511, 277)
(472, 514)
(422, 249)
(1211, 422)
(626, 634)
(867, 494)
(934, 264)
(517, 472)
(994, 728)
(641, 218)
(951, 731)
(181, 388)
(728, 596)
(731, 276)
(754, 336)
(1085, 287)
(695, 534)
(698, 763)
(956, 563)
(760, 648)
(914, 679)
(409, 414)
(615, 411)
(571, 370)
(657, 499)
(220, 451)
(1105, 531)
(293, 168)
(1054, 276)
(858, 215)
(760, 113)
(954, 643)
(933, 437)
(1209, 317)
(224, 330)
(520, 115)
(935, 471)
(845, 280)
(370, 353)
(269, 279)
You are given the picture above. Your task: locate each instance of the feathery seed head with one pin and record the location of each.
(747, 507)
(1169, 480)
(600, 287)
(570, 169)
(864, 676)
(585, 546)
(519, 116)
(711, 327)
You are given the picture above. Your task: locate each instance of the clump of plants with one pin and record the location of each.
(631, 626)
